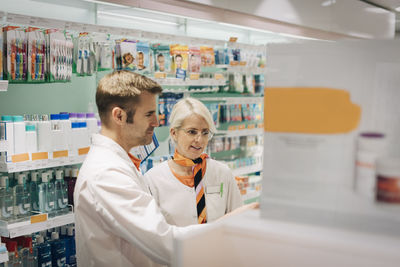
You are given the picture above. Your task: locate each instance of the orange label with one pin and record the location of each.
(234, 63)
(232, 128)
(83, 151)
(242, 63)
(40, 155)
(194, 76)
(233, 39)
(39, 218)
(160, 75)
(251, 126)
(260, 125)
(218, 76)
(20, 157)
(60, 154)
(310, 110)
(242, 126)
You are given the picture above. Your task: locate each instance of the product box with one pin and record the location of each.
(36, 55)
(15, 59)
(128, 52)
(162, 58)
(143, 56)
(179, 54)
(194, 59)
(207, 56)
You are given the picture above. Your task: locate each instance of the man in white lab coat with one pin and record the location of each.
(118, 223)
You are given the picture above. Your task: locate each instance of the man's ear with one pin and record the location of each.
(118, 115)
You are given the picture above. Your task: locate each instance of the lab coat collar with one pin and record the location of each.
(107, 142)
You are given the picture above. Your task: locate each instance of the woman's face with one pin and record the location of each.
(192, 137)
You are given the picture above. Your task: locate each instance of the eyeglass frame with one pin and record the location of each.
(210, 134)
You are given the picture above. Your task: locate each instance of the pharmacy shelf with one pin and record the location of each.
(240, 99)
(27, 227)
(188, 82)
(40, 164)
(244, 132)
(247, 169)
(3, 257)
(251, 196)
(3, 86)
(238, 69)
(191, 90)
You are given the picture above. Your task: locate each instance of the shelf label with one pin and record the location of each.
(160, 75)
(260, 125)
(242, 63)
(40, 155)
(234, 63)
(60, 154)
(39, 218)
(251, 126)
(20, 157)
(218, 76)
(83, 151)
(242, 126)
(194, 76)
(232, 128)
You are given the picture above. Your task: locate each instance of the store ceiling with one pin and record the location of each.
(393, 5)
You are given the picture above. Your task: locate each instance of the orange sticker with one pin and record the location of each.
(232, 128)
(310, 110)
(242, 126)
(160, 75)
(20, 157)
(234, 63)
(242, 63)
(40, 155)
(60, 154)
(194, 76)
(218, 76)
(83, 151)
(39, 218)
(251, 126)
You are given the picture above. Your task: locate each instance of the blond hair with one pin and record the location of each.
(122, 89)
(189, 106)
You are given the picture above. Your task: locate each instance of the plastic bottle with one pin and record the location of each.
(6, 200)
(44, 134)
(61, 193)
(71, 185)
(70, 248)
(57, 250)
(91, 124)
(57, 140)
(75, 136)
(28, 253)
(7, 133)
(44, 252)
(19, 135)
(65, 126)
(46, 197)
(13, 257)
(34, 190)
(22, 207)
(31, 139)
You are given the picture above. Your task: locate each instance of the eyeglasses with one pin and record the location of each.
(206, 134)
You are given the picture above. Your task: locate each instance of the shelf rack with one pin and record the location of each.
(29, 227)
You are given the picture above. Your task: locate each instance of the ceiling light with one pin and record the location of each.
(297, 36)
(170, 14)
(243, 27)
(135, 18)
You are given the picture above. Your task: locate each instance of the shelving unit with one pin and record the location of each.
(40, 164)
(28, 227)
(189, 82)
(247, 169)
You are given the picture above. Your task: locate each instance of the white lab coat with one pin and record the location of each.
(178, 201)
(118, 222)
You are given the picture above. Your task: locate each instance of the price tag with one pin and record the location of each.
(194, 76)
(39, 218)
(218, 76)
(242, 126)
(242, 63)
(251, 126)
(20, 157)
(40, 155)
(234, 63)
(60, 154)
(232, 128)
(260, 125)
(83, 151)
(160, 75)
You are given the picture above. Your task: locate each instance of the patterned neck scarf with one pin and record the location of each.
(199, 168)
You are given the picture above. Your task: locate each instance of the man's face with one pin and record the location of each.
(129, 59)
(140, 132)
(161, 62)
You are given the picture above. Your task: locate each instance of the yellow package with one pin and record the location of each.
(179, 54)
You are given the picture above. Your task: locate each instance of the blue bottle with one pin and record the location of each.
(44, 252)
(57, 250)
(70, 249)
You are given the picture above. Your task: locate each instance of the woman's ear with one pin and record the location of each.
(173, 133)
(118, 115)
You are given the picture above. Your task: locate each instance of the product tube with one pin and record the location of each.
(31, 139)
(44, 134)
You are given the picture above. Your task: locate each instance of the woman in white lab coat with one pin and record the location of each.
(192, 188)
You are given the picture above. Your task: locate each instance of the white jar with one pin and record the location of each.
(370, 146)
(388, 180)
